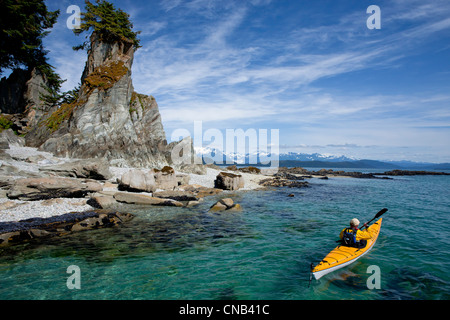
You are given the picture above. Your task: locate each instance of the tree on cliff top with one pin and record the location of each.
(109, 23)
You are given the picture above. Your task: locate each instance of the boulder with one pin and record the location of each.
(87, 168)
(101, 201)
(177, 195)
(142, 199)
(191, 204)
(283, 182)
(137, 181)
(228, 202)
(235, 207)
(166, 178)
(30, 189)
(229, 181)
(200, 191)
(140, 181)
(218, 206)
(225, 205)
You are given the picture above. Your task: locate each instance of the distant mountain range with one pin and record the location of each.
(316, 160)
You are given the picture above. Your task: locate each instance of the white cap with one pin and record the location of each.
(354, 222)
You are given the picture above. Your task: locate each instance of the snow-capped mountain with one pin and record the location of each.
(314, 157)
(257, 157)
(212, 155)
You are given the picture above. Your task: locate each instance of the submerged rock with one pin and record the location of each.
(16, 232)
(142, 199)
(177, 195)
(226, 204)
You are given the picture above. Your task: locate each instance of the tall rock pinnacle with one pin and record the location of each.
(109, 119)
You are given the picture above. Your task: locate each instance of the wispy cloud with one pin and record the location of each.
(168, 5)
(215, 60)
(69, 64)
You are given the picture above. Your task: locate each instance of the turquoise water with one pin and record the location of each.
(263, 252)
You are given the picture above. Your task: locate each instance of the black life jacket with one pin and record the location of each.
(349, 237)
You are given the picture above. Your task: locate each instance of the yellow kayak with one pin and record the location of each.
(342, 256)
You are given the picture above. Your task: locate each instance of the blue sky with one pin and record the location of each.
(311, 69)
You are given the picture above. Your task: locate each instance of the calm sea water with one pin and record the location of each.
(263, 252)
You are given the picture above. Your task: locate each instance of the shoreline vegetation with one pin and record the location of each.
(42, 195)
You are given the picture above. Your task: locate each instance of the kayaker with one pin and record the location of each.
(353, 237)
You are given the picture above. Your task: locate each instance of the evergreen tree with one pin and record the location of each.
(24, 24)
(109, 23)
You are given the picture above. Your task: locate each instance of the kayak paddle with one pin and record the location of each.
(379, 214)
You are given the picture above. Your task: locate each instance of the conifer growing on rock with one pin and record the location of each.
(111, 24)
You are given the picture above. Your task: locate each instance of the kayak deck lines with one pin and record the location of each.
(342, 256)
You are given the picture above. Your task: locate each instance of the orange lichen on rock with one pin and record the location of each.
(105, 76)
(62, 114)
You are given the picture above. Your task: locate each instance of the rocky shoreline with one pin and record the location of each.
(299, 172)
(105, 147)
(35, 228)
(43, 195)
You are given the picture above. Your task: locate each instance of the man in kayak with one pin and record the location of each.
(353, 237)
